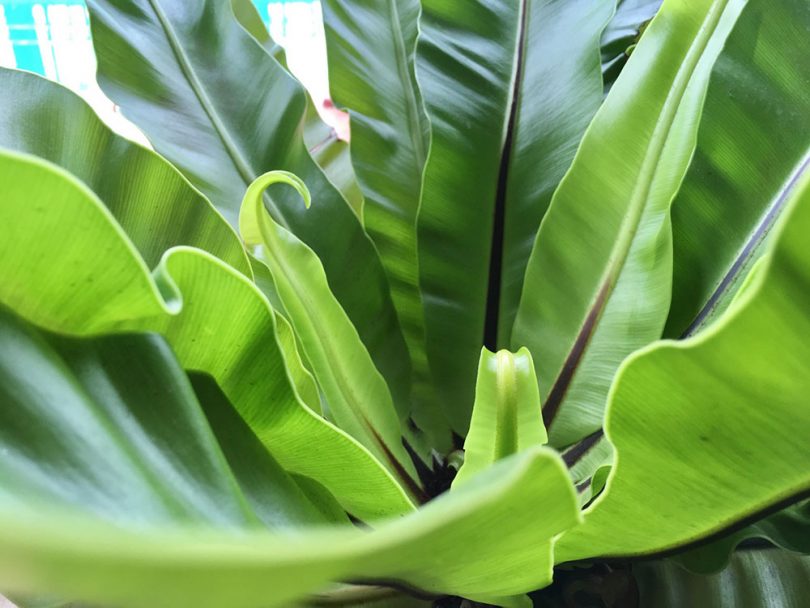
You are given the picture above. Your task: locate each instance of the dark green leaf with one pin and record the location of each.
(598, 281)
(195, 95)
(754, 579)
(509, 89)
(752, 149)
(371, 48)
(622, 34)
(154, 204)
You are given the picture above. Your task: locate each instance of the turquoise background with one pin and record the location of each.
(20, 22)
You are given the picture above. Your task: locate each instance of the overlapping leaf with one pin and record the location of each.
(623, 33)
(357, 395)
(44, 119)
(326, 148)
(157, 539)
(93, 425)
(506, 417)
(371, 49)
(752, 149)
(45, 549)
(598, 281)
(509, 88)
(753, 579)
(689, 418)
(223, 111)
(788, 529)
(334, 157)
(92, 280)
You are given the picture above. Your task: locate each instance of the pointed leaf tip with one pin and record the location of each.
(507, 416)
(252, 210)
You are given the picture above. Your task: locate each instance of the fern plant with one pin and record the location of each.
(539, 328)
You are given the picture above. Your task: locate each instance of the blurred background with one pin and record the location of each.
(53, 40)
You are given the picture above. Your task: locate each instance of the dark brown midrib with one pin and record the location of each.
(736, 526)
(493, 302)
(575, 453)
(579, 449)
(560, 387)
(410, 483)
(762, 230)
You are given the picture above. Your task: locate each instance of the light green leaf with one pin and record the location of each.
(357, 395)
(754, 579)
(49, 280)
(714, 417)
(598, 281)
(371, 48)
(299, 374)
(509, 88)
(149, 198)
(47, 549)
(506, 417)
(752, 149)
(92, 280)
(223, 111)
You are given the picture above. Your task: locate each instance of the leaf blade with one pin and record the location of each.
(164, 210)
(481, 100)
(67, 287)
(740, 178)
(598, 281)
(765, 334)
(506, 416)
(357, 394)
(195, 97)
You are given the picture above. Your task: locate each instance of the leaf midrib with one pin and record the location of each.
(240, 162)
(492, 302)
(639, 197)
(350, 397)
(749, 249)
(770, 507)
(414, 130)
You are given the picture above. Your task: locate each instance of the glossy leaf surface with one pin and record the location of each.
(739, 385)
(598, 280)
(195, 96)
(151, 200)
(622, 34)
(92, 425)
(500, 143)
(371, 49)
(788, 529)
(753, 579)
(751, 151)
